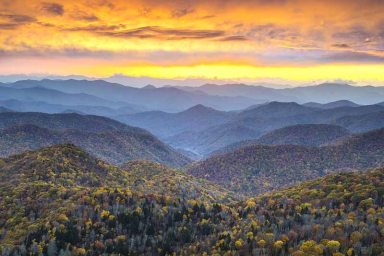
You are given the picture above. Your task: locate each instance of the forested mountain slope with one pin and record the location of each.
(60, 200)
(49, 173)
(259, 168)
(305, 134)
(313, 135)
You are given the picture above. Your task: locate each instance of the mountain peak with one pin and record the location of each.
(149, 87)
(199, 108)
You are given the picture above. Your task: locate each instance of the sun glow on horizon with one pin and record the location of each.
(295, 40)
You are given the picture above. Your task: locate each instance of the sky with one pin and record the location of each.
(270, 40)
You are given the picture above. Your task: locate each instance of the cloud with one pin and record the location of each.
(157, 32)
(355, 34)
(263, 32)
(13, 21)
(341, 45)
(84, 16)
(178, 13)
(28, 51)
(96, 28)
(351, 57)
(53, 8)
(233, 38)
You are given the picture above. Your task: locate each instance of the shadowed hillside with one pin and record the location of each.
(259, 168)
(105, 138)
(306, 135)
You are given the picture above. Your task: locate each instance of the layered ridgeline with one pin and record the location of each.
(321, 93)
(103, 137)
(60, 200)
(258, 168)
(253, 123)
(113, 95)
(51, 108)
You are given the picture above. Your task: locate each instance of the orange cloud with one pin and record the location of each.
(259, 33)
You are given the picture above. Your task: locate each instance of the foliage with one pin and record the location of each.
(260, 168)
(61, 201)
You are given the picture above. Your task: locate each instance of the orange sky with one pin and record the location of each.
(285, 39)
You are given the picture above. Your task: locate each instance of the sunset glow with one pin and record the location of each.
(283, 39)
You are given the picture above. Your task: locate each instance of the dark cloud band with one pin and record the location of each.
(53, 8)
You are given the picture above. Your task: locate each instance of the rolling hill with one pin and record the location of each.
(313, 135)
(63, 121)
(164, 124)
(105, 138)
(258, 168)
(304, 134)
(362, 123)
(60, 200)
(58, 169)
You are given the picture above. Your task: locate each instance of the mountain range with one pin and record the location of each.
(99, 168)
(322, 93)
(225, 97)
(253, 123)
(117, 95)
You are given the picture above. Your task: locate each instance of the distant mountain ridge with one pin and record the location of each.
(41, 106)
(322, 93)
(222, 97)
(164, 124)
(197, 121)
(54, 96)
(334, 104)
(164, 98)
